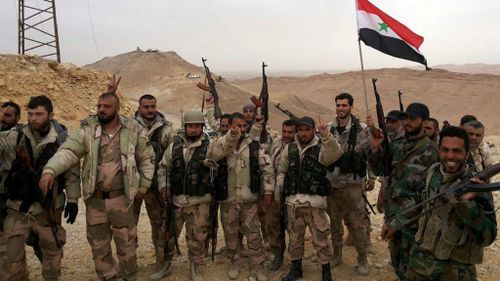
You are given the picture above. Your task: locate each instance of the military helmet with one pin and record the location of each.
(194, 117)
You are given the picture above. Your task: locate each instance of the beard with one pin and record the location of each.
(414, 132)
(193, 138)
(103, 119)
(42, 127)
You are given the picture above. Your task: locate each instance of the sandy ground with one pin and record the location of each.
(78, 264)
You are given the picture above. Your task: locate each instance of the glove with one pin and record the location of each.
(70, 212)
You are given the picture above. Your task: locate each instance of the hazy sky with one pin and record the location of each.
(293, 35)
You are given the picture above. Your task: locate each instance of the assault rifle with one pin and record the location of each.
(401, 107)
(283, 220)
(387, 157)
(211, 88)
(170, 226)
(290, 115)
(452, 191)
(214, 217)
(263, 103)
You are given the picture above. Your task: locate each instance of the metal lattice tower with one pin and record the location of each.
(38, 28)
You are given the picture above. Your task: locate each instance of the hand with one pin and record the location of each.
(70, 212)
(46, 183)
(209, 100)
(139, 196)
(113, 85)
(259, 119)
(322, 128)
(380, 202)
(387, 232)
(235, 130)
(370, 122)
(268, 199)
(377, 138)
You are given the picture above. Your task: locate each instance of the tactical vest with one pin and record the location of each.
(22, 184)
(307, 176)
(221, 191)
(351, 162)
(191, 178)
(442, 232)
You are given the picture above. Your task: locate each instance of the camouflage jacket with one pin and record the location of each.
(277, 148)
(361, 148)
(137, 156)
(481, 157)
(410, 160)
(329, 153)
(456, 232)
(239, 173)
(217, 149)
(8, 143)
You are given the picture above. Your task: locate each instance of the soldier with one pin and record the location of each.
(302, 174)
(273, 218)
(160, 134)
(345, 202)
(452, 236)
(411, 156)
(25, 151)
(467, 118)
(249, 169)
(186, 173)
(394, 124)
(223, 126)
(118, 166)
(9, 115)
(480, 153)
(431, 128)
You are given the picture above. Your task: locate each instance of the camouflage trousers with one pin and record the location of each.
(156, 214)
(242, 216)
(197, 222)
(423, 266)
(273, 228)
(319, 225)
(399, 248)
(347, 205)
(109, 219)
(17, 229)
(262, 213)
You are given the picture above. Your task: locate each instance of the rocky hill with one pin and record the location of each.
(449, 95)
(73, 90)
(173, 81)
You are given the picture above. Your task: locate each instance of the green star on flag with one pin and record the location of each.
(383, 27)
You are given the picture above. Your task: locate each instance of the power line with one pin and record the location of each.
(92, 29)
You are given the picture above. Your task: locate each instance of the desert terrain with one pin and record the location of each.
(164, 74)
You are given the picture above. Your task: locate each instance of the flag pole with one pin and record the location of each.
(363, 77)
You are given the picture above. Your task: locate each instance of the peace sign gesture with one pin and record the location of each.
(322, 128)
(113, 85)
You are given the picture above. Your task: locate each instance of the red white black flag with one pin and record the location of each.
(379, 31)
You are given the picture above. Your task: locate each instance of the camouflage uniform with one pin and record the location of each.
(410, 159)
(346, 202)
(160, 134)
(114, 169)
(20, 222)
(451, 238)
(309, 209)
(192, 209)
(480, 158)
(239, 212)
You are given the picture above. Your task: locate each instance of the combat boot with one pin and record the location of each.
(234, 270)
(337, 256)
(362, 266)
(326, 272)
(196, 273)
(276, 262)
(259, 273)
(295, 271)
(162, 272)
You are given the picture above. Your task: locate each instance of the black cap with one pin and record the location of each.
(306, 120)
(394, 115)
(416, 110)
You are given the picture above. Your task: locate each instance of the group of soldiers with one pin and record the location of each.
(319, 172)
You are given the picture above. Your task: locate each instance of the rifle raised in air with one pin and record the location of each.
(263, 103)
(387, 157)
(290, 115)
(401, 107)
(211, 88)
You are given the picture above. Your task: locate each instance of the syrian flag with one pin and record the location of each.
(379, 31)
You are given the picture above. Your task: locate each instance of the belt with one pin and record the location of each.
(108, 194)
